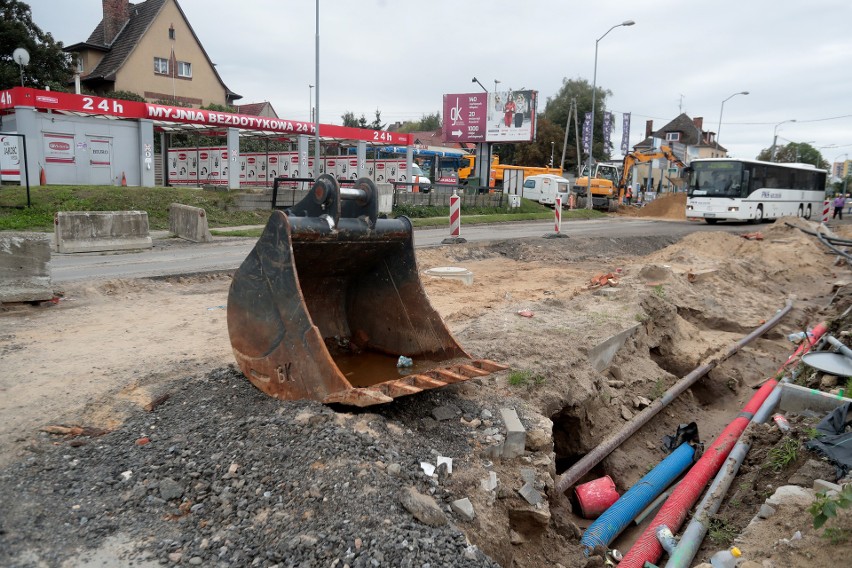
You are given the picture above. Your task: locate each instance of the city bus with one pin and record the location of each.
(724, 189)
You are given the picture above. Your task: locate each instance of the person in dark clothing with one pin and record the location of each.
(839, 203)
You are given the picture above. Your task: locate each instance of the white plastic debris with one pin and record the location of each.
(448, 461)
(427, 468)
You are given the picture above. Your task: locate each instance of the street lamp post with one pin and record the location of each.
(311, 101)
(592, 129)
(475, 80)
(775, 138)
(719, 130)
(316, 104)
(495, 84)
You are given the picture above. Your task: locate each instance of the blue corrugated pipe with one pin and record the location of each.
(614, 520)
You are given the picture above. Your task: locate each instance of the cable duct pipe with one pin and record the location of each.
(590, 460)
(616, 518)
(692, 537)
(648, 548)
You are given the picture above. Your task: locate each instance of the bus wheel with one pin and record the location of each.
(758, 215)
(808, 213)
(800, 211)
(710, 221)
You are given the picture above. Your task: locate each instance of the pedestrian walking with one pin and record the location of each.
(839, 203)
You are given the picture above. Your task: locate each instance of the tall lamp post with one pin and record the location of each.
(316, 104)
(775, 138)
(475, 80)
(592, 129)
(311, 102)
(719, 130)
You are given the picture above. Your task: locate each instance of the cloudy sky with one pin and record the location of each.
(400, 56)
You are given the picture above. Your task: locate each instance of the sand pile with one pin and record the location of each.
(667, 206)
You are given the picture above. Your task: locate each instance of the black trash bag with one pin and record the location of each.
(835, 439)
(685, 433)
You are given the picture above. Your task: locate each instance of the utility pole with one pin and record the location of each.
(567, 127)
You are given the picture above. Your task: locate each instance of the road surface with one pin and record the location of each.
(227, 253)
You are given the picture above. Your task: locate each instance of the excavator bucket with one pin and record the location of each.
(330, 298)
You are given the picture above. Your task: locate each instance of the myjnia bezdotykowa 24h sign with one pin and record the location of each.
(503, 116)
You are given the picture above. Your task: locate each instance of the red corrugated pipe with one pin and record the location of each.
(675, 509)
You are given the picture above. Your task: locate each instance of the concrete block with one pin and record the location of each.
(96, 231)
(795, 399)
(529, 493)
(385, 197)
(516, 434)
(464, 509)
(24, 267)
(601, 355)
(791, 494)
(189, 223)
(490, 482)
(823, 485)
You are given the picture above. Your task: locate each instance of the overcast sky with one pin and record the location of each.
(401, 56)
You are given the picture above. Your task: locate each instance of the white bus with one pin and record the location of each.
(748, 190)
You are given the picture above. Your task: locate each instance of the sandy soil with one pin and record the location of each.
(107, 348)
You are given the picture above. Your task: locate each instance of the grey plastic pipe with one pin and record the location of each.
(602, 450)
(692, 537)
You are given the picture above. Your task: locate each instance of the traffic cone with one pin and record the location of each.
(42, 179)
(123, 180)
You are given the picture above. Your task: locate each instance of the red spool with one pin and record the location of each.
(596, 496)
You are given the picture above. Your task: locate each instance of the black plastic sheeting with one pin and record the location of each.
(835, 439)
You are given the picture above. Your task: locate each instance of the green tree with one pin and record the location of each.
(549, 137)
(48, 65)
(350, 120)
(556, 111)
(377, 123)
(795, 152)
(427, 123)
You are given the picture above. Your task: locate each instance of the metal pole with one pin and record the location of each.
(316, 104)
(594, 96)
(565, 141)
(311, 102)
(775, 138)
(719, 130)
(26, 168)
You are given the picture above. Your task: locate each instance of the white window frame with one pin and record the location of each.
(184, 69)
(158, 64)
(672, 136)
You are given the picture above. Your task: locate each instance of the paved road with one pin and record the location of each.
(228, 253)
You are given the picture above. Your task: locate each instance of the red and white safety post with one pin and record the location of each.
(455, 215)
(557, 212)
(825, 209)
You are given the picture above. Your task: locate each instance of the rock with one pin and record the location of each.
(170, 489)
(640, 402)
(446, 412)
(175, 557)
(828, 381)
(486, 414)
(810, 470)
(464, 509)
(748, 564)
(422, 507)
(827, 486)
(615, 384)
(528, 516)
(490, 482)
(539, 439)
(528, 475)
(791, 494)
(196, 561)
(516, 434)
(625, 412)
(529, 493)
(516, 537)
(394, 469)
(765, 511)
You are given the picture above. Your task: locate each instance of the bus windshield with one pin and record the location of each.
(715, 179)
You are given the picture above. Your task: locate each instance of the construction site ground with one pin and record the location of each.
(158, 452)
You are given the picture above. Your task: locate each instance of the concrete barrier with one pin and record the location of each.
(94, 231)
(189, 223)
(25, 267)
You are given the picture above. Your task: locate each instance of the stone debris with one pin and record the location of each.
(463, 508)
(529, 493)
(516, 435)
(446, 412)
(422, 507)
(490, 482)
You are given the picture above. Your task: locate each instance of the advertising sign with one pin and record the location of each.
(58, 148)
(10, 161)
(464, 117)
(511, 116)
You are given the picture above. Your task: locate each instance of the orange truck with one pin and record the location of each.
(497, 170)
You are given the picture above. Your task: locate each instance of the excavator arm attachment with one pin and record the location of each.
(331, 297)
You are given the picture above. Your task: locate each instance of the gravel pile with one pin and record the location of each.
(222, 475)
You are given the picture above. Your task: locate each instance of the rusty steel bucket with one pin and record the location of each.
(331, 297)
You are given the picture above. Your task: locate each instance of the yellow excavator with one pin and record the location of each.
(609, 180)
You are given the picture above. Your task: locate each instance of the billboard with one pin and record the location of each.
(502, 116)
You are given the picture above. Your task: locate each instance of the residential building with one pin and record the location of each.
(687, 139)
(150, 49)
(257, 109)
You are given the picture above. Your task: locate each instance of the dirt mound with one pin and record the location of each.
(668, 206)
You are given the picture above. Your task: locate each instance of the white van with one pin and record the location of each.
(418, 177)
(545, 187)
